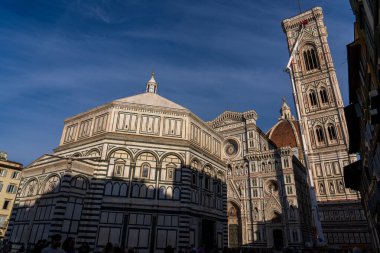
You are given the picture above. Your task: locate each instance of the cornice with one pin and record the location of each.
(298, 20)
(130, 107)
(106, 137)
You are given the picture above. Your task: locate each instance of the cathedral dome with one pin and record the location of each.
(151, 98)
(286, 132)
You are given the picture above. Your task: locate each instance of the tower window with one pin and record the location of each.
(310, 58)
(323, 95)
(313, 98)
(332, 132)
(320, 136)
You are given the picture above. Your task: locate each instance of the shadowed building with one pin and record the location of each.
(363, 113)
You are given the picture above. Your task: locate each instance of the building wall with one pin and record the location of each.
(364, 76)
(10, 175)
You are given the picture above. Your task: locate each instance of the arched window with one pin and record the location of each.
(320, 135)
(170, 172)
(310, 58)
(176, 193)
(169, 193)
(143, 190)
(145, 170)
(119, 168)
(150, 192)
(108, 189)
(332, 133)
(323, 95)
(116, 189)
(135, 191)
(124, 190)
(322, 189)
(162, 193)
(312, 98)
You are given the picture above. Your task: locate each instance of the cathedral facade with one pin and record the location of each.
(268, 197)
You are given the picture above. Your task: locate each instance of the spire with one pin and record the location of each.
(151, 85)
(285, 110)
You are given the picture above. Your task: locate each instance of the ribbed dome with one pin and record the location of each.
(286, 133)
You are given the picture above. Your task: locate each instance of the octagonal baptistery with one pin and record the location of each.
(140, 172)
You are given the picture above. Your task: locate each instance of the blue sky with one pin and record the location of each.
(60, 58)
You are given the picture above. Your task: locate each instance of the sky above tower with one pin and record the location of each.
(60, 58)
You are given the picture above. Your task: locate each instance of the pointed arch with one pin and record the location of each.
(331, 132)
(323, 95)
(319, 133)
(312, 98)
(309, 56)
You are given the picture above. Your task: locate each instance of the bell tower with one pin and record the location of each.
(319, 104)
(320, 112)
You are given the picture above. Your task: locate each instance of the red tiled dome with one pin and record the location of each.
(286, 133)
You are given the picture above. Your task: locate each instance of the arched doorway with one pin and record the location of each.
(234, 225)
